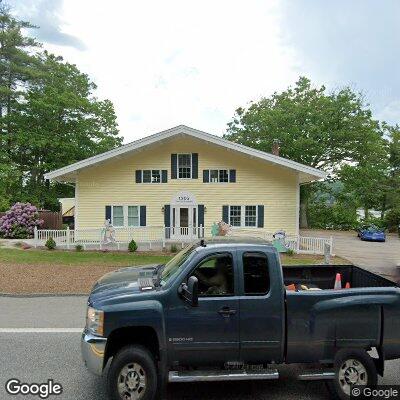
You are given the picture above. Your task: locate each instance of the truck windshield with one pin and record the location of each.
(174, 266)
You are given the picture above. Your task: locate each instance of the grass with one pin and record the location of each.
(117, 259)
(84, 258)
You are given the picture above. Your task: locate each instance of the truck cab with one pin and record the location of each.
(220, 310)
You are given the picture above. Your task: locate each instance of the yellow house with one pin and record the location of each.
(183, 179)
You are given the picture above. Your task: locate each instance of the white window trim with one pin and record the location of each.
(218, 169)
(125, 215)
(151, 175)
(242, 216)
(191, 165)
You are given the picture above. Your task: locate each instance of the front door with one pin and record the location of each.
(208, 333)
(184, 220)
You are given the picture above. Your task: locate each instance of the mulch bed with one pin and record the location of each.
(60, 279)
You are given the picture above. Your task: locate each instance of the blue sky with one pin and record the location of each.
(166, 63)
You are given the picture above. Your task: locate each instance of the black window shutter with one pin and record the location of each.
(260, 222)
(232, 175)
(164, 176)
(108, 213)
(167, 215)
(167, 220)
(195, 165)
(206, 175)
(225, 214)
(200, 216)
(142, 215)
(138, 176)
(174, 162)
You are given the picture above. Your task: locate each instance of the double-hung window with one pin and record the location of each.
(250, 216)
(133, 215)
(219, 175)
(235, 215)
(151, 176)
(243, 216)
(184, 166)
(118, 216)
(125, 216)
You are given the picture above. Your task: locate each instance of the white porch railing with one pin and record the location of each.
(162, 234)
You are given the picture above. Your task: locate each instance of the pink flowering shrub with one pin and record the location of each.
(19, 221)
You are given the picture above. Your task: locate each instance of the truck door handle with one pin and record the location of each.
(226, 311)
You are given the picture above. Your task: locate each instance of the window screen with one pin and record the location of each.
(118, 216)
(133, 216)
(256, 274)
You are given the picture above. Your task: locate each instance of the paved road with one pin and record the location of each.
(38, 356)
(381, 258)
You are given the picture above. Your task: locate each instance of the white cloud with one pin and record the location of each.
(163, 63)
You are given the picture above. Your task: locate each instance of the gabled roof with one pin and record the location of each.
(68, 173)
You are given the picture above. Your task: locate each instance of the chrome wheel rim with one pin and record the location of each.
(132, 382)
(352, 372)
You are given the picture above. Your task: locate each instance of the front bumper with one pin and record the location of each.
(93, 350)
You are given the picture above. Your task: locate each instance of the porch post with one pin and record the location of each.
(35, 236)
(68, 237)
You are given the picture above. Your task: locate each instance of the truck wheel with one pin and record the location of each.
(132, 375)
(352, 367)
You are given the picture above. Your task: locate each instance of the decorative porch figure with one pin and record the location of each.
(279, 241)
(214, 229)
(108, 233)
(223, 228)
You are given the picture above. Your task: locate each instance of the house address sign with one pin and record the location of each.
(184, 198)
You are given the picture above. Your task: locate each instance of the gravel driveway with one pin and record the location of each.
(380, 258)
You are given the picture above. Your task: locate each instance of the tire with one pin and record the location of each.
(346, 362)
(136, 368)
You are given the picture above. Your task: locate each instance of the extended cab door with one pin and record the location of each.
(207, 333)
(262, 309)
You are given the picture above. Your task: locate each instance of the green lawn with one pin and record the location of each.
(61, 257)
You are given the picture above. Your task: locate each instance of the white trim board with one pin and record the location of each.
(67, 173)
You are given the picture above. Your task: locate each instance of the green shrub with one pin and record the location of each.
(336, 216)
(79, 247)
(392, 219)
(50, 243)
(132, 246)
(173, 248)
(290, 252)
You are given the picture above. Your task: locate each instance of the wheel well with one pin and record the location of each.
(143, 335)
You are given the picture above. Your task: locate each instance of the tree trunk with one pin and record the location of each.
(304, 196)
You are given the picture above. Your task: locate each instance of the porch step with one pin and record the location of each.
(222, 375)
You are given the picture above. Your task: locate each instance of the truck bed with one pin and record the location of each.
(323, 276)
(318, 322)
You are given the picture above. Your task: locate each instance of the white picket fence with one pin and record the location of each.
(161, 235)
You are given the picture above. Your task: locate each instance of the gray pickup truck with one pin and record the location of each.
(222, 310)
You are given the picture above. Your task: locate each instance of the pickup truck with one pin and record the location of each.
(222, 310)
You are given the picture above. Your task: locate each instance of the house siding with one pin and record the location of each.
(257, 183)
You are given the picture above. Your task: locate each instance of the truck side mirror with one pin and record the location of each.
(190, 291)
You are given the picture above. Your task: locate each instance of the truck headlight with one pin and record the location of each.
(95, 321)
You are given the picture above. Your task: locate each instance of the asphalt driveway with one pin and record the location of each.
(380, 258)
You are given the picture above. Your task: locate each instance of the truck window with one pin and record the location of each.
(256, 274)
(174, 266)
(215, 275)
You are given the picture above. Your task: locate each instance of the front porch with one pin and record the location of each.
(162, 237)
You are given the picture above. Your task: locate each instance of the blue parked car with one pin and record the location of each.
(371, 233)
